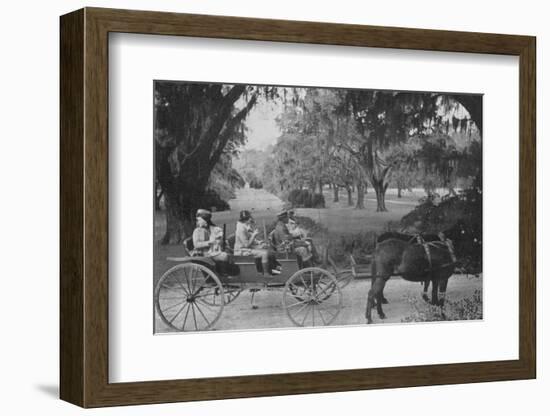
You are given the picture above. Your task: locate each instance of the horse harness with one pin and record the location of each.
(443, 241)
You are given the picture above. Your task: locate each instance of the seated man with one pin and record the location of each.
(246, 244)
(289, 234)
(299, 233)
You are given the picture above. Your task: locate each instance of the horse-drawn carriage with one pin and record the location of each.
(192, 295)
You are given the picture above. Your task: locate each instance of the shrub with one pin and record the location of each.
(212, 200)
(318, 201)
(468, 308)
(304, 198)
(256, 184)
(360, 245)
(300, 198)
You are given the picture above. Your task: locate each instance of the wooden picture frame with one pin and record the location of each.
(84, 207)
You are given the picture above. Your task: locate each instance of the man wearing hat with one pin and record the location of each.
(281, 236)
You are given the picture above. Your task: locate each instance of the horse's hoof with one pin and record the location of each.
(385, 301)
(254, 306)
(426, 298)
(382, 316)
(369, 321)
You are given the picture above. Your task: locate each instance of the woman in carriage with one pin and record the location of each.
(207, 240)
(246, 244)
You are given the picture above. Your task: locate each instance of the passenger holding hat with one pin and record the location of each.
(246, 243)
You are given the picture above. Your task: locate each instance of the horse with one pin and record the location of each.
(409, 238)
(431, 259)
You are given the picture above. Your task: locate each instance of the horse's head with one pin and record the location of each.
(466, 240)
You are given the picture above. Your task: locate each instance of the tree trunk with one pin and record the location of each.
(321, 187)
(380, 190)
(178, 225)
(398, 191)
(336, 189)
(350, 195)
(360, 196)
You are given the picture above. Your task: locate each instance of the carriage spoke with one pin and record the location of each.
(171, 297)
(305, 315)
(297, 303)
(301, 309)
(181, 284)
(327, 309)
(207, 305)
(173, 306)
(177, 314)
(324, 291)
(321, 315)
(190, 281)
(297, 290)
(185, 319)
(303, 281)
(205, 294)
(194, 317)
(202, 314)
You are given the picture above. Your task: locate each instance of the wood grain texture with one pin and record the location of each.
(84, 205)
(71, 297)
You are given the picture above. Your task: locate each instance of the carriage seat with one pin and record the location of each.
(220, 267)
(188, 244)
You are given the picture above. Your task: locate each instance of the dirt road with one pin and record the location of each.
(270, 314)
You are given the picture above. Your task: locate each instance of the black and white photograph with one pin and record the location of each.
(291, 206)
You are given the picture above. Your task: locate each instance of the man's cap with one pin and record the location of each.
(204, 213)
(282, 214)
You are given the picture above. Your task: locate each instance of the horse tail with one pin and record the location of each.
(373, 268)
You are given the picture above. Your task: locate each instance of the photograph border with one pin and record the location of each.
(84, 215)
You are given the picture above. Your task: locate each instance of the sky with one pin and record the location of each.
(262, 129)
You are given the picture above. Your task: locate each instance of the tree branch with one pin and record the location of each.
(229, 130)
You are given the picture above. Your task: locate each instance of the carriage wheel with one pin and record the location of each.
(344, 277)
(230, 293)
(312, 297)
(181, 297)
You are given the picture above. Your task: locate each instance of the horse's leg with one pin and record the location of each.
(374, 294)
(379, 289)
(435, 287)
(370, 302)
(425, 291)
(382, 297)
(370, 296)
(442, 291)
